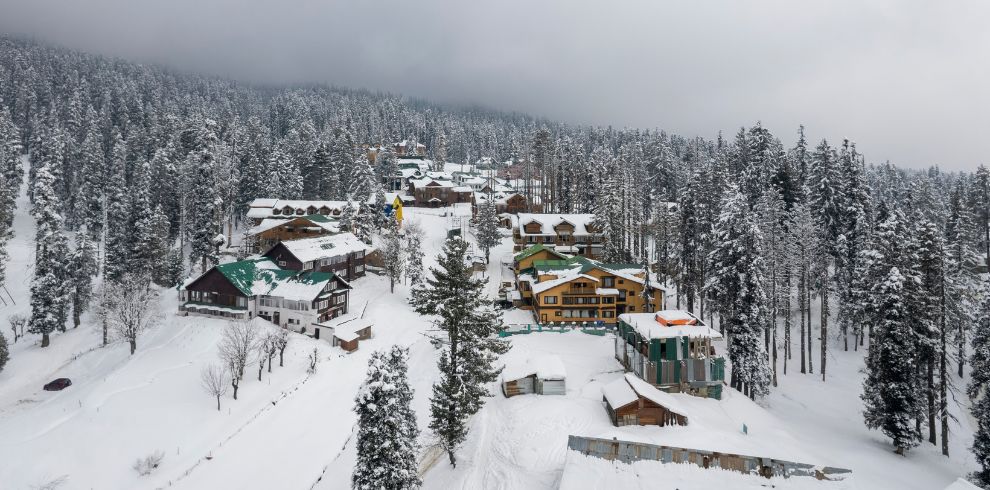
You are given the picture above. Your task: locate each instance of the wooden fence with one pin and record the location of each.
(525, 328)
(628, 452)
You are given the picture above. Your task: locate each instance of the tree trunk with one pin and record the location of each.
(76, 312)
(234, 384)
(45, 340)
(824, 329)
(281, 357)
(931, 400)
(811, 367)
(133, 343)
(218, 403)
(269, 364)
(802, 284)
(105, 333)
(392, 283)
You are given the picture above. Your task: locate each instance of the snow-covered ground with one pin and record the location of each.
(293, 430)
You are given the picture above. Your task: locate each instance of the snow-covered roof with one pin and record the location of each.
(552, 283)
(318, 221)
(263, 202)
(650, 392)
(326, 246)
(547, 366)
(265, 207)
(462, 188)
(348, 331)
(549, 221)
(618, 393)
(648, 327)
(607, 291)
(961, 484)
(427, 181)
(260, 276)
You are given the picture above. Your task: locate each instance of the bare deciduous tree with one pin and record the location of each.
(236, 346)
(215, 379)
(130, 308)
(281, 342)
(17, 323)
(144, 466)
(314, 359)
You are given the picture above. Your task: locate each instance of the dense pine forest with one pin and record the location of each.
(134, 170)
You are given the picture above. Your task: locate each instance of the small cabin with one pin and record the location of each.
(543, 375)
(344, 332)
(632, 401)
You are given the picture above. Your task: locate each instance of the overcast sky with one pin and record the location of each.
(908, 80)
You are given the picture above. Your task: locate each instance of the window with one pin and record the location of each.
(308, 265)
(339, 300)
(620, 281)
(632, 308)
(242, 301)
(281, 263)
(269, 301)
(608, 300)
(557, 313)
(608, 281)
(608, 314)
(359, 269)
(550, 300)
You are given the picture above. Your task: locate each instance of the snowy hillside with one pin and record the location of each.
(294, 430)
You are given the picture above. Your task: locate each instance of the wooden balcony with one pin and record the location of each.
(580, 292)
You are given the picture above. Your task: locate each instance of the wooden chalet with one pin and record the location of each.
(254, 287)
(342, 254)
(632, 401)
(567, 233)
(581, 290)
(263, 208)
(274, 230)
(671, 349)
(435, 192)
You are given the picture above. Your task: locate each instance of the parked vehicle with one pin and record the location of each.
(58, 384)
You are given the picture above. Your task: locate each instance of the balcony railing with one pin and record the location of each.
(579, 291)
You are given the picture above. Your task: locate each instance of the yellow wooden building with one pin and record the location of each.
(578, 290)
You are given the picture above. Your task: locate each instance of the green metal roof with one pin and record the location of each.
(534, 249)
(243, 274)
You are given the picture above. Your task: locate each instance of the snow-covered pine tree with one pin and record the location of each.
(48, 295)
(4, 351)
(387, 447)
(380, 206)
(393, 256)
(804, 240)
(117, 226)
(205, 212)
(736, 285)
(888, 391)
(470, 349)
(91, 167)
(439, 151)
(959, 233)
(348, 215)
(142, 219)
(414, 254)
(978, 388)
(363, 226)
(827, 205)
(10, 163)
(386, 167)
(83, 267)
(489, 235)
